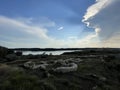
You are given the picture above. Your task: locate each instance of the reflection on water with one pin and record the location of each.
(46, 52)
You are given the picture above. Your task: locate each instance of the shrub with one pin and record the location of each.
(18, 53)
(3, 51)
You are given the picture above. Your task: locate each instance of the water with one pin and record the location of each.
(47, 52)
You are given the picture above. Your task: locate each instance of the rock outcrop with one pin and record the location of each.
(66, 68)
(33, 65)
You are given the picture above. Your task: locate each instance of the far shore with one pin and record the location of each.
(59, 49)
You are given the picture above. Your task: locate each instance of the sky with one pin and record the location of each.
(59, 23)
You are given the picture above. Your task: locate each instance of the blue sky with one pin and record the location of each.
(47, 23)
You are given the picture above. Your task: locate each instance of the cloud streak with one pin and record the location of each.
(18, 33)
(60, 28)
(12, 25)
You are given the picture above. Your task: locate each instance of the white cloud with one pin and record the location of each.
(88, 41)
(16, 31)
(8, 25)
(39, 22)
(60, 28)
(12, 33)
(95, 8)
(104, 18)
(34, 36)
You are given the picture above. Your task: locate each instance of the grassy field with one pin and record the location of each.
(96, 71)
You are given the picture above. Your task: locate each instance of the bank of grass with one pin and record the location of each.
(19, 80)
(16, 79)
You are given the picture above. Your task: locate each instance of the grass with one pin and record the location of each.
(19, 80)
(13, 77)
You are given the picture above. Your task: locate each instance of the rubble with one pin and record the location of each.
(62, 66)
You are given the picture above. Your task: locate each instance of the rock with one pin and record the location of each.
(42, 66)
(68, 68)
(29, 65)
(32, 65)
(95, 87)
(102, 78)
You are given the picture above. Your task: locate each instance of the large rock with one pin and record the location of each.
(33, 65)
(68, 68)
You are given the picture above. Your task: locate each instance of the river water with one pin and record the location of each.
(47, 52)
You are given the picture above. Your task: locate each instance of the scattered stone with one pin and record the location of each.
(68, 68)
(95, 87)
(32, 65)
(102, 79)
(63, 66)
(29, 64)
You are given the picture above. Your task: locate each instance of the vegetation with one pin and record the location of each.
(3, 51)
(97, 70)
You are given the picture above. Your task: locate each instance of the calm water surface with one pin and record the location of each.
(47, 52)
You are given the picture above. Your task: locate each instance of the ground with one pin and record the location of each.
(97, 70)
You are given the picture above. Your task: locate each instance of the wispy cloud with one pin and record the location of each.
(95, 8)
(60, 28)
(8, 25)
(103, 17)
(18, 33)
